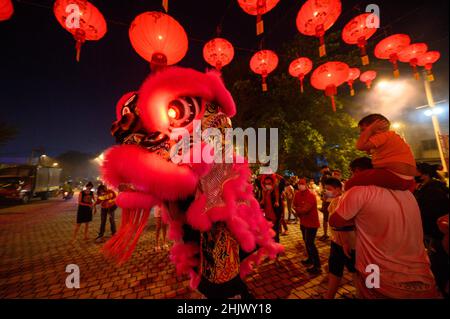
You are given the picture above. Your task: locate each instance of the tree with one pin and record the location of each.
(308, 128)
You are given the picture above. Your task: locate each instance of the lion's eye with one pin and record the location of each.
(182, 111)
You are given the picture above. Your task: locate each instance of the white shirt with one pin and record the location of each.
(388, 233)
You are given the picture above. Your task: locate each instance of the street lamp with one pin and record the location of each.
(434, 119)
(433, 111)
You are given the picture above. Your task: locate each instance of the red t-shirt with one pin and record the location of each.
(311, 219)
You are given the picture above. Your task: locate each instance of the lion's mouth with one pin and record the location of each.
(155, 142)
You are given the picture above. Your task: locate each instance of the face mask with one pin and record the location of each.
(330, 194)
(302, 187)
(269, 187)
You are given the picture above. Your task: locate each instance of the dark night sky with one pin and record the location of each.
(62, 105)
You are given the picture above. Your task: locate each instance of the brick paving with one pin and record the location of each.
(35, 250)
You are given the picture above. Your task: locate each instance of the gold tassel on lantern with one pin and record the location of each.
(264, 83)
(165, 5)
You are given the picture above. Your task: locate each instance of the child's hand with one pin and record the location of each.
(379, 126)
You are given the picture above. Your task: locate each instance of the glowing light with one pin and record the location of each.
(433, 111)
(382, 85)
(99, 159)
(396, 125)
(172, 113)
(55, 164)
(160, 37)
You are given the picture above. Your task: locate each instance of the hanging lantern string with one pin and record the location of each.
(220, 25)
(116, 22)
(376, 36)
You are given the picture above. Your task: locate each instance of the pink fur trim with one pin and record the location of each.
(183, 255)
(161, 88)
(239, 228)
(196, 215)
(130, 164)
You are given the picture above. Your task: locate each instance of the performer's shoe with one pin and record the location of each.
(99, 239)
(307, 262)
(314, 270)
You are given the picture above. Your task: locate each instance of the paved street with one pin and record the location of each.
(35, 249)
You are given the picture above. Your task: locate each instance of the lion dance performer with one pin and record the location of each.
(219, 230)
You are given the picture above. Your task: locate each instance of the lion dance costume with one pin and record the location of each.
(217, 225)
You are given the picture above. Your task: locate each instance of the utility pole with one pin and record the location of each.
(39, 150)
(435, 121)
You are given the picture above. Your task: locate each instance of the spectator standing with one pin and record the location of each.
(288, 195)
(342, 249)
(270, 203)
(86, 202)
(305, 205)
(389, 243)
(433, 198)
(106, 198)
(160, 226)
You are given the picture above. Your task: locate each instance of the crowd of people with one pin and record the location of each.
(106, 198)
(387, 224)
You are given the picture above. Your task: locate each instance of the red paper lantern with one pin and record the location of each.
(328, 77)
(426, 60)
(353, 75)
(368, 77)
(218, 52)
(258, 8)
(410, 55)
(389, 48)
(317, 16)
(158, 38)
(81, 19)
(299, 68)
(6, 10)
(359, 30)
(263, 62)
